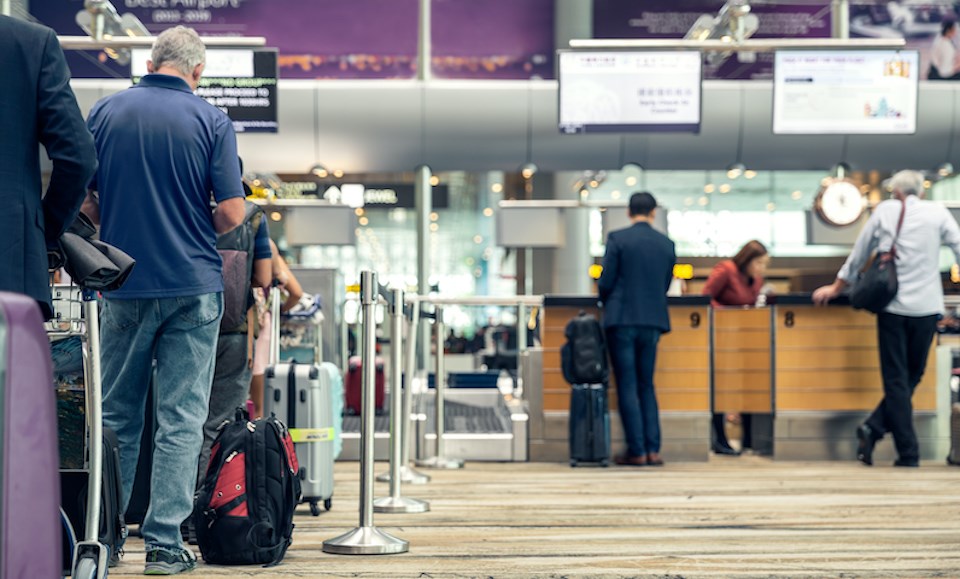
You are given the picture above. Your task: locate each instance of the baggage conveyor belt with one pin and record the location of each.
(480, 424)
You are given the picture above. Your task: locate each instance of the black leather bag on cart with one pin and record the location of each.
(876, 284)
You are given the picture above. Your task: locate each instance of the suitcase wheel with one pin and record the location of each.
(573, 463)
(327, 503)
(605, 463)
(314, 508)
(86, 569)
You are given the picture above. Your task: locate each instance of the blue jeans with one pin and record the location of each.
(181, 334)
(633, 350)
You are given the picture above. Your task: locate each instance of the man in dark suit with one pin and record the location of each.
(637, 270)
(37, 107)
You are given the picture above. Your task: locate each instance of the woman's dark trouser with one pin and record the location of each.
(720, 434)
(904, 346)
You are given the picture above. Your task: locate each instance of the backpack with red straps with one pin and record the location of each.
(243, 511)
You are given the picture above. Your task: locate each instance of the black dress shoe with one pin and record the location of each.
(867, 442)
(907, 462)
(725, 449)
(627, 459)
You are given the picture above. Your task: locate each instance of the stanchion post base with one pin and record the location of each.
(440, 462)
(366, 541)
(400, 505)
(407, 476)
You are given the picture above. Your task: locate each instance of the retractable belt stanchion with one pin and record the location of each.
(440, 460)
(367, 539)
(408, 475)
(396, 503)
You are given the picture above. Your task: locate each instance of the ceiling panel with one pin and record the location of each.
(369, 125)
(466, 118)
(482, 125)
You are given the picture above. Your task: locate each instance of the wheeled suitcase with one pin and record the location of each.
(589, 424)
(304, 396)
(309, 400)
(354, 386)
(30, 528)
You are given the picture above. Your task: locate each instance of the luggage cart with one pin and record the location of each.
(300, 335)
(76, 314)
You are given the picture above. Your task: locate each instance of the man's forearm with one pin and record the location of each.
(91, 208)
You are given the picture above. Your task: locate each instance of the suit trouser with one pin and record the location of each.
(904, 346)
(633, 350)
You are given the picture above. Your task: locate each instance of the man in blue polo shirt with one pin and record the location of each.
(164, 152)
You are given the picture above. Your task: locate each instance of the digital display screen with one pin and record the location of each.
(629, 91)
(241, 82)
(851, 92)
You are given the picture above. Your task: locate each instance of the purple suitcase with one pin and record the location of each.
(30, 529)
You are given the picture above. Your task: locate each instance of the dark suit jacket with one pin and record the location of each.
(637, 271)
(37, 107)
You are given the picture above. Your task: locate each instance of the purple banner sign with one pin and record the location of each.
(346, 38)
(507, 39)
(673, 18)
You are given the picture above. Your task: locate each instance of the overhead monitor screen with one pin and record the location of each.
(850, 92)
(629, 91)
(242, 82)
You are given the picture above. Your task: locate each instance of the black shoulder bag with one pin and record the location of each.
(876, 284)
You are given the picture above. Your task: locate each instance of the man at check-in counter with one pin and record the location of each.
(906, 327)
(637, 271)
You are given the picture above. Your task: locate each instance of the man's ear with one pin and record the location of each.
(198, 72)
(150, 68)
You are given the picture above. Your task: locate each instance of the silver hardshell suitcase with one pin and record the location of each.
(304, 397)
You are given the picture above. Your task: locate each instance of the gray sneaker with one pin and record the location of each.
(167, 562)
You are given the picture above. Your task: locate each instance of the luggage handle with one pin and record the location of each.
(274, 302)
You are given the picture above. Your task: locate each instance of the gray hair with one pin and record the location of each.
(907, 182)
(180, 48)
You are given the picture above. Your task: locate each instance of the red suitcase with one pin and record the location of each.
(354, 387)
(30, 528)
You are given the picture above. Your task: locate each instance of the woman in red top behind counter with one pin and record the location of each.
(736, 282)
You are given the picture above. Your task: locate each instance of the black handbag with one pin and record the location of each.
(876, 284)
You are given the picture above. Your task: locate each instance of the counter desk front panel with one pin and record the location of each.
(682, 376)
(742, 360)
(828, 360)
(814, 370)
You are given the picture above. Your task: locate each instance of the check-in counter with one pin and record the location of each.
(827, 381)
(808, 375)
(743, 369)
(682, 381)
